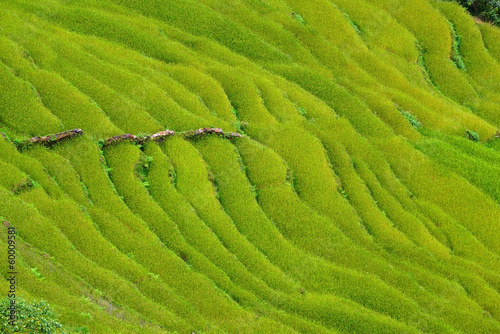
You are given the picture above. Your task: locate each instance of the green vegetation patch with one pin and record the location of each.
(36, 316)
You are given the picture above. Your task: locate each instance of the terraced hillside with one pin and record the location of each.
(361, 197)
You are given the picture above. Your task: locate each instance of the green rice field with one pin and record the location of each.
(330, 166)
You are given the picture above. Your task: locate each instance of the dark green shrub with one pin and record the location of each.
(474, 136)
(34, 317)
(487, 10)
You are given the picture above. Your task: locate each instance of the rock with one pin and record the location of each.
(63, 135)
(129, 136)
(35, 139)
(111, 140)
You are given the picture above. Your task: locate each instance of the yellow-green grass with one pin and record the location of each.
(107, 23)
(435, 38)
(138, 89)
(191, 174)
(30, 223)
(213, 157)
(198, 19)
(333, 25)
(126, 240)
(119, 232)
(63, 173)
(135, 87)
(356, 147)
(337, 98)
(469, 147)
(74, 309)
(194, 230)
(474, 210)
(244, 97)
(479, 63)
(126, 114)
(207, 211)
(130, 234)
(490, 35)
(87, 240)
(422, 299)
(257, 20)
(402, 197)
(407, 223)
(64, 101)
(21, 107)
(283, 300)
(175, 91)
(121, 158)
(480, 173)
(13, 178)
(96, 247)
(158, 222)
(462, 242)
(332, 213)
(30, 166)
(209, 91)
(342, 253)
(315, 183)
(380, 30)
(382, 74)
(298, 324)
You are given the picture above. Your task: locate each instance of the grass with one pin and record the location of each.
(361, 197)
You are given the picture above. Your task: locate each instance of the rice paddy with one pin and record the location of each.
(238, 166)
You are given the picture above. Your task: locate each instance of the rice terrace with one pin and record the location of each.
(250, 166)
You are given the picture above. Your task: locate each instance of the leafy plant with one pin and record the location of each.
(474, 136)
(35, 317)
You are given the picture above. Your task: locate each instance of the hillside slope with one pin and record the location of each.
(360, 196)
